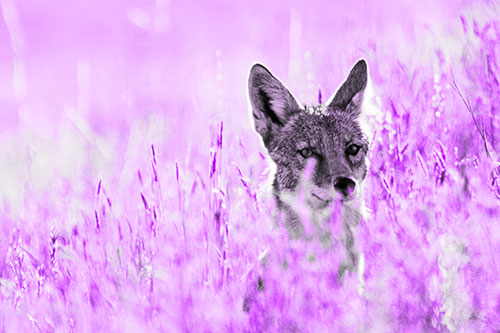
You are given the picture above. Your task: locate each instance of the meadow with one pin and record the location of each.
(132, 176)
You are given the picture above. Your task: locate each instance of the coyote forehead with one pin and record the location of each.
(319, 150)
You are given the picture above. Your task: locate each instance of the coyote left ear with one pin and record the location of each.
(350, 94)
(272, 103)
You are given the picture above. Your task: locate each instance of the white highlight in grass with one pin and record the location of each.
(140, 18)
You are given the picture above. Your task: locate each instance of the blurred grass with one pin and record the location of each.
(155, 231)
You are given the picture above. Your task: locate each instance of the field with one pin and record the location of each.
(131, 175)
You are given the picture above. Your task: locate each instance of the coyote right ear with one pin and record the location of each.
(272, 103)
(350, 93)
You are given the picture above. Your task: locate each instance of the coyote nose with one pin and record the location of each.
(344, 186)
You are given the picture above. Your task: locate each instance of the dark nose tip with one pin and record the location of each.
(344, 186)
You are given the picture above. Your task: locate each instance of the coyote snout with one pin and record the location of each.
(345, 186)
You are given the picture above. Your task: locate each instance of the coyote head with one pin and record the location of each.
(319, 151)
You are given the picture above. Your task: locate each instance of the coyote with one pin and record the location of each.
(319, 153)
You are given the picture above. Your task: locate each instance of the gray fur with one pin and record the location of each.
(328, 130)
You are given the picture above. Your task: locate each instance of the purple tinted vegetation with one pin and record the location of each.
(150, 104)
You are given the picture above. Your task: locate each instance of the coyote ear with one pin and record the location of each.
(350, 94)
(272, 103)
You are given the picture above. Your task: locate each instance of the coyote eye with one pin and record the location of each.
(353, 150)
(305, 153)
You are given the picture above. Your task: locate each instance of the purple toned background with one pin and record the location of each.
(115, 60)
(130, 168)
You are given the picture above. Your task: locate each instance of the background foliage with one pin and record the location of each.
(131, 171)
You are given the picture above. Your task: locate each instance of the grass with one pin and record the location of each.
(160, 237)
